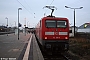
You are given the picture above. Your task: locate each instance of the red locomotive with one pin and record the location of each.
(53, 33)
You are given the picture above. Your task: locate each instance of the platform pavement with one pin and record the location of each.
(33, 51)
(11, 47)
(37, 54)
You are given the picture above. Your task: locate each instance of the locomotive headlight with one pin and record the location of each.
(45, 37)
(66, 37)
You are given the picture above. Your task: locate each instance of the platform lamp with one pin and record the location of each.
(74, 15)
(18, 21)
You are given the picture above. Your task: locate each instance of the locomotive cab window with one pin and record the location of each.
(50, 23)
(61, 24)
(56, 24)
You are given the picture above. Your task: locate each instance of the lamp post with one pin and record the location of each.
(15, 23)
(25, 26)
(14, 27)
(7, 25)
(28, 24)
(74, 15)
(18, 21)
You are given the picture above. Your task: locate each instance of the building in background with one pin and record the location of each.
(85, 28)
(71, 31)
(7, 29)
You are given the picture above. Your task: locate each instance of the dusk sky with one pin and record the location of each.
(33, 11)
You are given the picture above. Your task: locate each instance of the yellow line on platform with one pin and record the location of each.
(26, 55)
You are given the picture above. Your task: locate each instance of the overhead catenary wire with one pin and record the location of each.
(50, 4)
(29, 7)
(27, 4)
(25, 7)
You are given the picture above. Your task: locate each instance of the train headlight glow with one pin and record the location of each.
(66, 37)
(45, 37)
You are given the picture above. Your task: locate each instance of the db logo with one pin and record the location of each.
(56, 33)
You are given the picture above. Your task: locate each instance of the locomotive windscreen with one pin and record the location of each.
(61, 24)
(50, 23)
(55, 24)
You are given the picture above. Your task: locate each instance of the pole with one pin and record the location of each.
(25, 26)
(74, 22)
(15, 23)
(74, 15)
(18, 21)
(27, 23)
(18, 24)
(14, 27)
(7, 26)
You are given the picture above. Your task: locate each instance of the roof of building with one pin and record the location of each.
(73, 26)
(2, 26)
(84, 26)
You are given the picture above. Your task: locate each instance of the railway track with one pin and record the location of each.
(66, 56)
(56, 56)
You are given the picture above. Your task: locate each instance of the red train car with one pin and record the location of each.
(53, 33)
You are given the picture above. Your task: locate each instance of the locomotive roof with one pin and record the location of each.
(54, 17)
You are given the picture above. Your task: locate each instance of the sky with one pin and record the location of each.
(32, 11)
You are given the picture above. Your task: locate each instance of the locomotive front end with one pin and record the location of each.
(55, 34)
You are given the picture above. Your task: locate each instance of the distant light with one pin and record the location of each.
(1, 29)
(85, 25)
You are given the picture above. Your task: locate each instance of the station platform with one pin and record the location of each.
(26, 48)
(33, 51)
